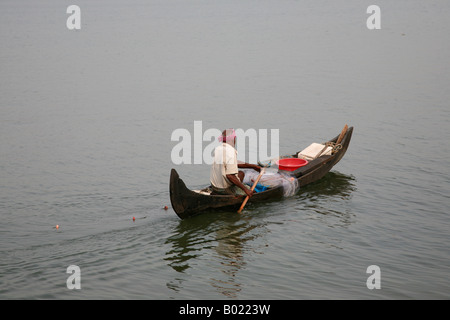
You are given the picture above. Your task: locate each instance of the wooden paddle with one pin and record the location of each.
(253, 188)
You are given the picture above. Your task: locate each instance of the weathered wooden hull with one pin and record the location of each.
(187, 203)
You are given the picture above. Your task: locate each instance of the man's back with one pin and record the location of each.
(225, 162)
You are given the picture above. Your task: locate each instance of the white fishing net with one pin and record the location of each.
(271, 179)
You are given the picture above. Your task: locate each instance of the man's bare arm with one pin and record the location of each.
(235, 180)
(244, 165)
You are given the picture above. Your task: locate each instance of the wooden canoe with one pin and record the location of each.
(187, 203)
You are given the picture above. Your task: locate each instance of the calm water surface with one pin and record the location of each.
(86, 119)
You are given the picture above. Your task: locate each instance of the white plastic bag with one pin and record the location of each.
(271, 179)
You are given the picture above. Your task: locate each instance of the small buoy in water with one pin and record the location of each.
(166, 207)
(57, 227)
(134, 218)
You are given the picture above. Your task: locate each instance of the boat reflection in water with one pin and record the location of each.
(221, 239)
(224, 240)
(326, 197)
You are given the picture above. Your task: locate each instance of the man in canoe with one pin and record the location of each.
(225, 177)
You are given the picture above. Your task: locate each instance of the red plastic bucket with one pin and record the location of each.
(291, 164)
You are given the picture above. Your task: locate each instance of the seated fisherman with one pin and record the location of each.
(225, 177)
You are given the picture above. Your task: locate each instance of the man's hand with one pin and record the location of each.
(235, 180)
(249, 192)
(249, 166)
(257, 168)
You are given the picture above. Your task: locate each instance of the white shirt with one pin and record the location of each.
(225, 162)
